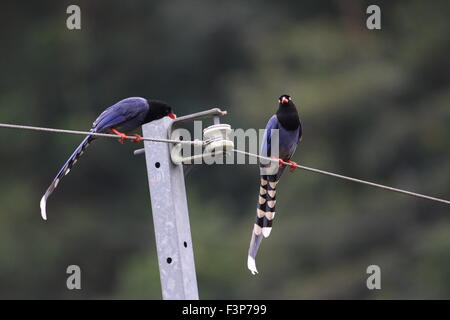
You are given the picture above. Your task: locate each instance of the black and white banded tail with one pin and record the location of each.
(63, 172)
(265, 213)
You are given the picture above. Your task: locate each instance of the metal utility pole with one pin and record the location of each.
(169, 208)
(170, 216)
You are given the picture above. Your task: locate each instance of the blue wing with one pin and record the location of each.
(126, 110)
(266, 148)
(288, 140)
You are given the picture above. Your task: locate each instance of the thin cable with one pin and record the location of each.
(105, 135)
(414, 194)
(198, 142)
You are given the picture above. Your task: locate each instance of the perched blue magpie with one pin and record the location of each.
(124, 116)
(287, 121)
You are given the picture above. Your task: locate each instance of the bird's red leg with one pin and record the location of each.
(138, 138)
(281, 163)
(121, 134)
(293, 165)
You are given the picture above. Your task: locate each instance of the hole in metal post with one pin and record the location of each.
(157, 164)
(169, 260)
(185, 244)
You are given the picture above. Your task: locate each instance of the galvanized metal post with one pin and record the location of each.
(170, 216)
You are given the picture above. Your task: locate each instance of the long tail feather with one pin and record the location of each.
(269, 209)
(63, 172)
(255, 242)
(265, 212)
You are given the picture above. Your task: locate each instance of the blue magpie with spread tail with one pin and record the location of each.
(287, 122)
(120, 118)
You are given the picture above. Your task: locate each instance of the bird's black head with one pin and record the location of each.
(159, 109)
(287, 113)
(285, 100)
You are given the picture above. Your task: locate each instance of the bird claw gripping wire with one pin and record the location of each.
(292, 165)
(138, 138)
(122, 135)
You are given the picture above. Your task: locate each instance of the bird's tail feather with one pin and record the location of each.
(253, 250)
(63, 172)
(265, 212)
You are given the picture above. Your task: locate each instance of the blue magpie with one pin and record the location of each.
(287, 122)
(124, 116)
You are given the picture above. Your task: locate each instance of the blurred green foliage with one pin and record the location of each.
(374, 104)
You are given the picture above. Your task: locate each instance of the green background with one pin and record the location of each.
(374, 104)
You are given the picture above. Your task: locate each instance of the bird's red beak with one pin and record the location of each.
(172, 116)
(284, 100)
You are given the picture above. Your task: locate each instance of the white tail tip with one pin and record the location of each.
(43, 207)
(266, 231)
(251, 265)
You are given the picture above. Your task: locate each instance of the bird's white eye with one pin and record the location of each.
(290, 98)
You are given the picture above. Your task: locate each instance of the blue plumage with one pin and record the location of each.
(287, 139)
(286, 124)
(122, 117)
(125, 115)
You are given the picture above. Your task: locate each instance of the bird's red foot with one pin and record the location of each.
(122, 135)
(138, 138)
(293, 165)
(281, 163)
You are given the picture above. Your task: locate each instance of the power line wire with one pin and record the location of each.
(95, 134)
(414, 194)
(198, 142)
